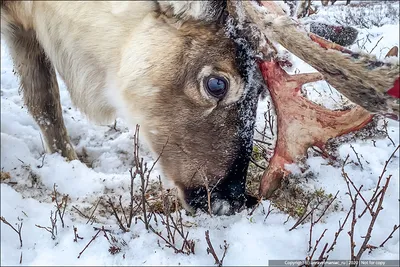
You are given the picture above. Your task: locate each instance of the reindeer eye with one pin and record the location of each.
(216, 86)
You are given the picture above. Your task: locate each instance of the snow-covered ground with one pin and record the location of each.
(27, 195)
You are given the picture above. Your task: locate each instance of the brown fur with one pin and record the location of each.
(39, 86)
(140, 61)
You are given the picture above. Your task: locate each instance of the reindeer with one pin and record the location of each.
(167, 66)
(170, 67)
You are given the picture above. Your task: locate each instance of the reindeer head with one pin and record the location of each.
(188, 86)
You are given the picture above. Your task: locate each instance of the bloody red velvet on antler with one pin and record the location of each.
(395, 90)
(300, 122)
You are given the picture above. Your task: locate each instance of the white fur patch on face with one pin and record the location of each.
(235, 90)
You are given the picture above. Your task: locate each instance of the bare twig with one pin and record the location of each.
(132, 198)
(144, 172)
(372, 223)
(341, 227)
(348, 182)
(76, 236)
(173, 226)
(313, 223)
(305, 214)
(91, 240)
(376, 45)
(95, 208)
(262, 133)
(311, 231)
(115, 213)
(256, 164)
(358, 158)
(269, 119)
(395, 227)
(374, 205)
(206, 184)
(18, 230)
(262, 142)
(60, 206)
(225, 248)
(53, 228)
(385, 129)
(210, 250)
(326, 208)
(269, 212)
(316, 244)
(187, 244)
(169, 244)
(80, 212)
(372, 202)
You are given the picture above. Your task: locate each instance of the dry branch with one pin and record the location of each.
(91, 240)
(60, 206)
(377, 192)
(374, 205)
(18, 230)
(76, 236)
(174, 228)
(91, 217)
(53, 228)
(115, 213)
(314, 208)
(80, 212)
(268, 212)
(142, 171)
(395, 227)
(210, 250)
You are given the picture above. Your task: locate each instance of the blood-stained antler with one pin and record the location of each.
(360, 77)
(301, 123)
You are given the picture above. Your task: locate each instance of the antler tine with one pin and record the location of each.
(361, 78)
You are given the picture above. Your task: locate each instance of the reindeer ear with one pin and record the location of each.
(193, 10)
(393, 52)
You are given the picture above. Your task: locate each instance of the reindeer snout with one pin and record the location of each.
(226, 198)
(215, 201)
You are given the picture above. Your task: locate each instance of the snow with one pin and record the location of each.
(27, 197)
